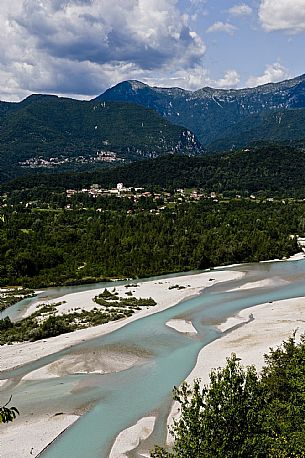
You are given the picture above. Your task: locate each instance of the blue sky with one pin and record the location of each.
(79, 48)
(239, 36)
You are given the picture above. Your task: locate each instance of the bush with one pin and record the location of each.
(241, 415)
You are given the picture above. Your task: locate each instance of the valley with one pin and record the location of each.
(135, 254)
(152, 229)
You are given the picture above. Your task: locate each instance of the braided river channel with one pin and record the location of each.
(115, 401)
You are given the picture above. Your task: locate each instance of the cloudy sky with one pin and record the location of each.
(79, 48)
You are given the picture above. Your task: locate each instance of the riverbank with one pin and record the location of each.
(166, 292)
(250, 335)
(11, 295)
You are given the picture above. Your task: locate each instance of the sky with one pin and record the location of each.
(79, 48)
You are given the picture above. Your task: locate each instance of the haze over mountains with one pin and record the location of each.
(223, 119)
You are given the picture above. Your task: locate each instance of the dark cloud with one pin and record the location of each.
(88, 31)
(94, 43)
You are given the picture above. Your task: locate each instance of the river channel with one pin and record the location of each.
(118, 400)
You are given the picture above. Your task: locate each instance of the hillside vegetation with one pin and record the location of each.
(73, 132)
(285, 126)
(214, 114)
(52, 246)
(269, 168)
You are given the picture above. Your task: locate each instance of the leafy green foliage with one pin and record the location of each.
(45, 322)
(108, 299)
(240, 414)
(32, 328)
(76, 246)
(283, 380)
(8, 414)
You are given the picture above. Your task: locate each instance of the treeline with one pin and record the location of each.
(51, 247)
(274, 169)
(56, 199)
(243, 415)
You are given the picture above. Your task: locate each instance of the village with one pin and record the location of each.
(52, 162)
(180, 194)
(132, 199)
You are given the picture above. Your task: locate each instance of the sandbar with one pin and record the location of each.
(130, 438)
(36, 435)
(183, 326)
(161, 291)
(29, 438)
(261, 327)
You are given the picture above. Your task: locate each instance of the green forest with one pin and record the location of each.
(52, 127)
(44, 247)
(265, 168)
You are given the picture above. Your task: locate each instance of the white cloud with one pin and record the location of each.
(230, 79)
(190, 79)
(83, 46)
(222, 27)
(273, 73)
(196, 78)
(145, 32)
(285, 15)
(240, 10)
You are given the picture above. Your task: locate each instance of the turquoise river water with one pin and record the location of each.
(118, 400)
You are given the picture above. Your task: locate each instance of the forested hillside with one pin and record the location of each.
(214, 114)
(45, 133)
(269, 168)
(282, 126)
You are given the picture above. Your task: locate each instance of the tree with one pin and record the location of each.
(241, 415)
(222, 420)
(283, 380)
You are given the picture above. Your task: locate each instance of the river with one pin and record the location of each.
(119, 400)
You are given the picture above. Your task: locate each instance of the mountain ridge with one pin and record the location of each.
(137, 84)
(48, 132)
(207, 111)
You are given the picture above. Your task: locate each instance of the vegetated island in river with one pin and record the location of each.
(45, 321)
(38, 431)
(11, 295)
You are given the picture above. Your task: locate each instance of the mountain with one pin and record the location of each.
(281, 126)
(47, 132)
(214, 114)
